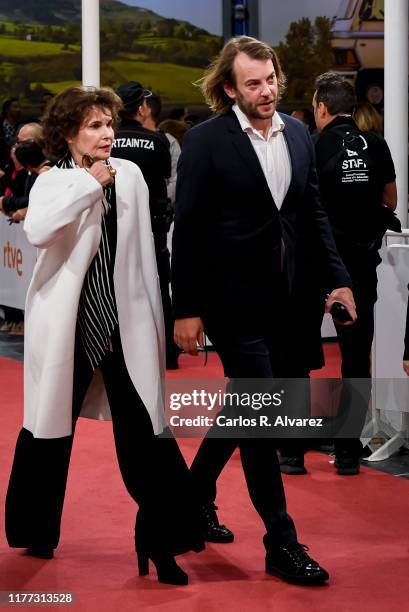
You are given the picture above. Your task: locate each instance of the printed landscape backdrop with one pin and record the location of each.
(146, 40)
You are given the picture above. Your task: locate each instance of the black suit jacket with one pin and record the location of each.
(228, 230)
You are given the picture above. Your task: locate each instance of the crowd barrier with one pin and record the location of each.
(17, 260)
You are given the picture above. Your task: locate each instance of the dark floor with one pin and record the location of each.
(398, 465)
(11, 346)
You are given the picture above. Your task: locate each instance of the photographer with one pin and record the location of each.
(20, 179)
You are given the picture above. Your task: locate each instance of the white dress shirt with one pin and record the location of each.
(272, 153)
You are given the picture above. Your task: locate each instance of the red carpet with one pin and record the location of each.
(357, 527)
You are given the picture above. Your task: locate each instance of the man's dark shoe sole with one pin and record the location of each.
(348, 471)
(318, 580)
(40, 553)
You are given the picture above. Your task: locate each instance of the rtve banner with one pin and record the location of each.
(17, 260)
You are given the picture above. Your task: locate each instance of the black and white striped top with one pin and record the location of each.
(97, 311)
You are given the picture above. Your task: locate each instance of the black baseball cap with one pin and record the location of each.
(132, 93)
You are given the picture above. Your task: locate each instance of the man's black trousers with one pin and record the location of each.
(246, 356)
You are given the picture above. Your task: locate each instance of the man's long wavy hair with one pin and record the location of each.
(221, 71)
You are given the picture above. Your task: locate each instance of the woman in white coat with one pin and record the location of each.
(94, 341)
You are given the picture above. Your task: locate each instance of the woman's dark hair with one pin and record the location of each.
(29, 153)
(6, 106)
(67, 112)
(176, 128)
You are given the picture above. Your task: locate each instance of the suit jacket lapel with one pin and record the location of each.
(289, 137)
(245, 149)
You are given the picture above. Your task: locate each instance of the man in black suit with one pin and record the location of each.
(246, 195)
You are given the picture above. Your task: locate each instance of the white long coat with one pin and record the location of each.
(64, 221)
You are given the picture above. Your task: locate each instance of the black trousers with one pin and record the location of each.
(163, 262)
(246, 356)
(355, 343)
(153, 469)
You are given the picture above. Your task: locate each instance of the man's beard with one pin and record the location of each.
(251, 110)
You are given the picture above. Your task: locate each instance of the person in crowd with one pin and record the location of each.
(192, 119)
(31, 156)
(94, 340)
(10, 118)
(367, 118)
(306, 116)
(150, 151)
(149, 113)
(45, 101)
(177, 113)
(12, 188)
(15, 185)
(246, 186)
(16, 205)
(176, 128)
(358, 190)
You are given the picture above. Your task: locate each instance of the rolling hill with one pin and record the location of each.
(59, 12)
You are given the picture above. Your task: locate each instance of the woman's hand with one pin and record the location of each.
(101, 173)
(20, 214)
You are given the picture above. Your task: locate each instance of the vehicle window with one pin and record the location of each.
(346, 9)
(372, 10)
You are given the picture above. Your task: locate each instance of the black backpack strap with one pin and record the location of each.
(339, 131)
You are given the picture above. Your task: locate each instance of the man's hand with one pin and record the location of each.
(344, 296)
(100, 172)
(405, 365)
(188, 333)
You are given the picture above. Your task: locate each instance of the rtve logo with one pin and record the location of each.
(13, 258)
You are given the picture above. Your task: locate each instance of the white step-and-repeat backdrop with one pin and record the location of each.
(17, 260)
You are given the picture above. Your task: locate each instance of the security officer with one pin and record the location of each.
(150, 151)
(358, 190)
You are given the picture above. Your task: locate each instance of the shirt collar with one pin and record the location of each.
(277, 124)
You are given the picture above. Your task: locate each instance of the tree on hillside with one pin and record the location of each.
(305, 54)
(165, 28)
(323, 54)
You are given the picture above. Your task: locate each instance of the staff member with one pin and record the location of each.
(150, 151)
(94, 339)
(358, 190)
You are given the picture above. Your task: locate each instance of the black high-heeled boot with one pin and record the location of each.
(41, 552)
(167, 569)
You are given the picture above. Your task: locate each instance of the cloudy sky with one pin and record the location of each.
(276, 15)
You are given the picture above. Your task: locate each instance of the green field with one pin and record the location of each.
(55, 88)
(172, 82)
(13, 47)
(30, 63)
